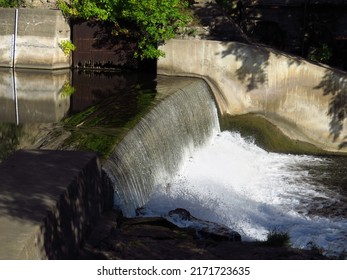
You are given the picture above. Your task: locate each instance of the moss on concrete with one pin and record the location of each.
(102, 126)
(268, 136)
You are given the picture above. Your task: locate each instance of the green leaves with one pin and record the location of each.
(156, 20)
(87, 9)
(322, 53)
(67, 47)
(10, 3)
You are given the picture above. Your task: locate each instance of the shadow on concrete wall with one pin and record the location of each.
(254, 62)
(217, 23)
(100, 45)
(57, 195)
(334, 84)
(253, 72)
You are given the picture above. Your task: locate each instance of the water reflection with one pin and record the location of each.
(33, 96)
(94, 86)
(38, 109)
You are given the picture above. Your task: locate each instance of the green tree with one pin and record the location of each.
(151, 22)
(10, 3)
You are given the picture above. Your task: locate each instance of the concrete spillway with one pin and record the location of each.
(153, 151)
(307, 101)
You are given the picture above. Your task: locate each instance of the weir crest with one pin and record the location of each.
(153, 151)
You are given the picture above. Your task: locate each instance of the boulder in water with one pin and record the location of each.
(204, 229)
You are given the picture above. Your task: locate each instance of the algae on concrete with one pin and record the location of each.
(267, 136)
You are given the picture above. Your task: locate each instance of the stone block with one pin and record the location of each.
(49, 202)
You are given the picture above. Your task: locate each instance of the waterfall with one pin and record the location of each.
(152, 152)
(176, 157)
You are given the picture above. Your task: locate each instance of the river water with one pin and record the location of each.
(228, 180)
(234, 182)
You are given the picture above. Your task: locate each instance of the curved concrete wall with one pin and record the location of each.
(34, 41)
(307, 101)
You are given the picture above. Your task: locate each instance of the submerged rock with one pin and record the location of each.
(204, 229)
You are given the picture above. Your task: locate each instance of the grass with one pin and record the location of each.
(277, 238)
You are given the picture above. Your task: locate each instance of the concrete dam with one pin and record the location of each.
(306, 101)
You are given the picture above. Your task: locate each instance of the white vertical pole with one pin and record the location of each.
(15, 38)
(14, 89)
(15, 96)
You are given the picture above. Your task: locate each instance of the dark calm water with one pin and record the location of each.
(84, 110)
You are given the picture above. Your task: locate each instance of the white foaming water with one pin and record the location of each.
(235, 183)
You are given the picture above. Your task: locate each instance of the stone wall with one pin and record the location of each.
(300, 27)
(46, 4)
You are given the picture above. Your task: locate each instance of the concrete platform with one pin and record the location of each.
(49, 202)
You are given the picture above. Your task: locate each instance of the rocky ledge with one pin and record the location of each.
(144, 238)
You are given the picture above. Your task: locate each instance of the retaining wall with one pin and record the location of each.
(29, 38)
(49, 202)
(307, 101)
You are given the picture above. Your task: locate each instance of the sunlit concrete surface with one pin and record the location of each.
(307, 101)
(30, 38)
(49, 201)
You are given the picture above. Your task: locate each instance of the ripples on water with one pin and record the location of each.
(234, 182)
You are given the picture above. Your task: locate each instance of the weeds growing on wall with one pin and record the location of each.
(67, 46)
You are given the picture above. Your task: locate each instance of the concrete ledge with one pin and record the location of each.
(49, 201)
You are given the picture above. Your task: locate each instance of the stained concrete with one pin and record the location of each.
(306, 101)
(49, 202)
(39, 33)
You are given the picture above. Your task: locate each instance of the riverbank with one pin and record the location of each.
(115, 237)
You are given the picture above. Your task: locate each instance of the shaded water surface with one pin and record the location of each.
(70, 110)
